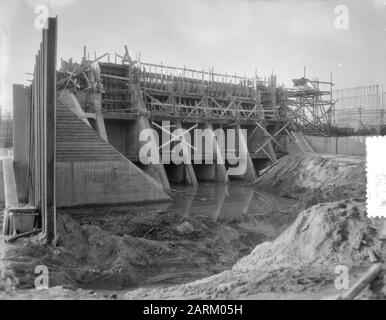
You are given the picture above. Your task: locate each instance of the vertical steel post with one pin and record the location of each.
(51, 129)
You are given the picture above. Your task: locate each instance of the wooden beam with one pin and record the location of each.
(115, 77)
(270, 139)
(268, 134)
(99, 58)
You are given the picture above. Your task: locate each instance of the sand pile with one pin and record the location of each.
(85, 255)
(298, 264)
(315, 179)
(323, 234)
(121, 260)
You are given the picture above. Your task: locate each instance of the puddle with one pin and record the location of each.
(225, 203)
(222, 202)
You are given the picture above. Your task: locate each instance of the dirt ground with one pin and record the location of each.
(299, 264)
(139, 254)
(117, 249)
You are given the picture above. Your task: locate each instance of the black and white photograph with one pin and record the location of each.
(186, 156)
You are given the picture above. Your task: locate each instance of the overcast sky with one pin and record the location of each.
(232, 36)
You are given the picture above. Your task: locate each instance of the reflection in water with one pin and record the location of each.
(225, 202)
(217, 201)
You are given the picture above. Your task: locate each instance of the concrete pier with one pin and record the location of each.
(10, 189)
(21, 137)
(190, 175)
(96, 99)
(215, 172)
(10, 193)
(250, 174)
(157, 171)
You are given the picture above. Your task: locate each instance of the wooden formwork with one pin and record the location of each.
(178, 94)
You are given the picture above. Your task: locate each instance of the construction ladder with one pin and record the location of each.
(301, 142)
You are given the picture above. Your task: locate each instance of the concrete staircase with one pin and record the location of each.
(302, 143)
(76, 141)
(91, 171)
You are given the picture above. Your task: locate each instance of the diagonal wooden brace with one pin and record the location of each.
(268, 141)
(268, 134)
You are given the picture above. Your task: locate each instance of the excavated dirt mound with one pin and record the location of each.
(153, 248)
(85, 255)
(323, 234)
(315, 179)
(128, 248)
(299, 264)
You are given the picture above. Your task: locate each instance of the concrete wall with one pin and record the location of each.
(21, 115)
(123, 136)
(104, 182)
(90, 171)
(21, 137)
(354, 145)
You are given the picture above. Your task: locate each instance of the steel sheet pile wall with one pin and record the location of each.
(41, 183)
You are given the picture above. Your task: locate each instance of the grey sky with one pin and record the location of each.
(231, 36)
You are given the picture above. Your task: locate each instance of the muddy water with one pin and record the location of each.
(222, 202)
(237, 205)
(225, 203)
(241, 206)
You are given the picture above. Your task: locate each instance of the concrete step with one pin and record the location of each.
(302, 143)
(92, 171)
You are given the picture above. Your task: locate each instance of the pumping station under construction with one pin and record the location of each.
(126, 179)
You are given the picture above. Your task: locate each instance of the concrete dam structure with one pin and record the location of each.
(121, 99)
(88, 169)
(78, 131)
